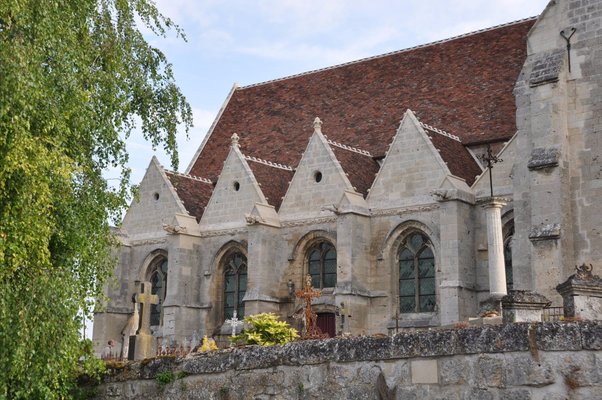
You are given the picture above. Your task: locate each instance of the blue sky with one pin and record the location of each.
(247, 42)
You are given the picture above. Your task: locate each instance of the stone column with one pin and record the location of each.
(495, 247)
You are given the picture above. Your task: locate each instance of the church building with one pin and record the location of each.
(411, 186)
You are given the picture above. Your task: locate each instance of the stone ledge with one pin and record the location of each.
(549, 336)
(543, 158)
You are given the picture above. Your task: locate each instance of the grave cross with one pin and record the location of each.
(147, 300)
(489, 158)
(234, 322)
(308, 293)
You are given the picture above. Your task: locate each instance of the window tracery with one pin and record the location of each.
(235, 285)
(322, 265)
(416, 275)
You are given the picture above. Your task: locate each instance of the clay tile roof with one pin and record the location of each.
(458, 159)
(194, 192)
(360, 168)
(462, 85)
(273, 180)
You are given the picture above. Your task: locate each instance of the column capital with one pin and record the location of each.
(493, 202)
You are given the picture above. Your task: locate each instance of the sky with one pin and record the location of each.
(247, 42)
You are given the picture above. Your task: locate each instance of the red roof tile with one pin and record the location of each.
(361, 169)
(462, 85)
(273, 181)
(193, 192)
(459, 161)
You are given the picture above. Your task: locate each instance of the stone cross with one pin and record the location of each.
(308, 294)
(146, 299)
(234, 322)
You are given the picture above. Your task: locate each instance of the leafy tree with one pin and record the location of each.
(76, 77)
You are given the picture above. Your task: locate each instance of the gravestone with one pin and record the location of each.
(582, 294)
(144, 338)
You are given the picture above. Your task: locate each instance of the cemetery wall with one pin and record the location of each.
(552, 361)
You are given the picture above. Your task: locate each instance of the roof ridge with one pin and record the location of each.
(420, 46)
(268, 163)
(196, 178)
(346, 147)
(439, 131)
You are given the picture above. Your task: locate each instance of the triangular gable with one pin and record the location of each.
(235, 194)
(501, 172)
(156, 204)
(319, 180)
(411, 169)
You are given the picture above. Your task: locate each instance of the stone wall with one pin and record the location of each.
(549, 361)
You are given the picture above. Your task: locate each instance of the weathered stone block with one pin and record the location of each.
(490, 372)
(591, 335)
(454, 371)
(525, 371)
(424, 371)
(515, 394)
(558, 336)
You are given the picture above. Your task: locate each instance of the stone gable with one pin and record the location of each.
(411, 169)
(155, 205)
(318, 183)
(234, 195)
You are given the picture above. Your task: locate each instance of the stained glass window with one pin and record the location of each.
(416, 275)
(323, 265)
(235, 285)
(158, 281)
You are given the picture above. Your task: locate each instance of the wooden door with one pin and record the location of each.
(327, 323)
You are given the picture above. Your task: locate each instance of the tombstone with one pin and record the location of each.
(144, 338)
(523, 306)
(582, 294)
(234, 322)
(129, 331)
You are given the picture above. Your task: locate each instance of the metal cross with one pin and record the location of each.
(234, 322)
(490, 159)
(308, 294)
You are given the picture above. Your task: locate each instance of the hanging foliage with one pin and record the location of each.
(76, 77)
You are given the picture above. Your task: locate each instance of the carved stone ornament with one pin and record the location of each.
(584, 272)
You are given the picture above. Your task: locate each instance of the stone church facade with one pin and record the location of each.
(384, 200)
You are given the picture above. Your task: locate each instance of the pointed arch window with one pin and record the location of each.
(235, 285)
(158, 280)
(416, 275)
(323, 265)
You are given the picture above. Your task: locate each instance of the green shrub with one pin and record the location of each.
(165, 378)
(265, 330)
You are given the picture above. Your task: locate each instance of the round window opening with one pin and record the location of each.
(236, 186)
(318, 176)
(156, 196)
